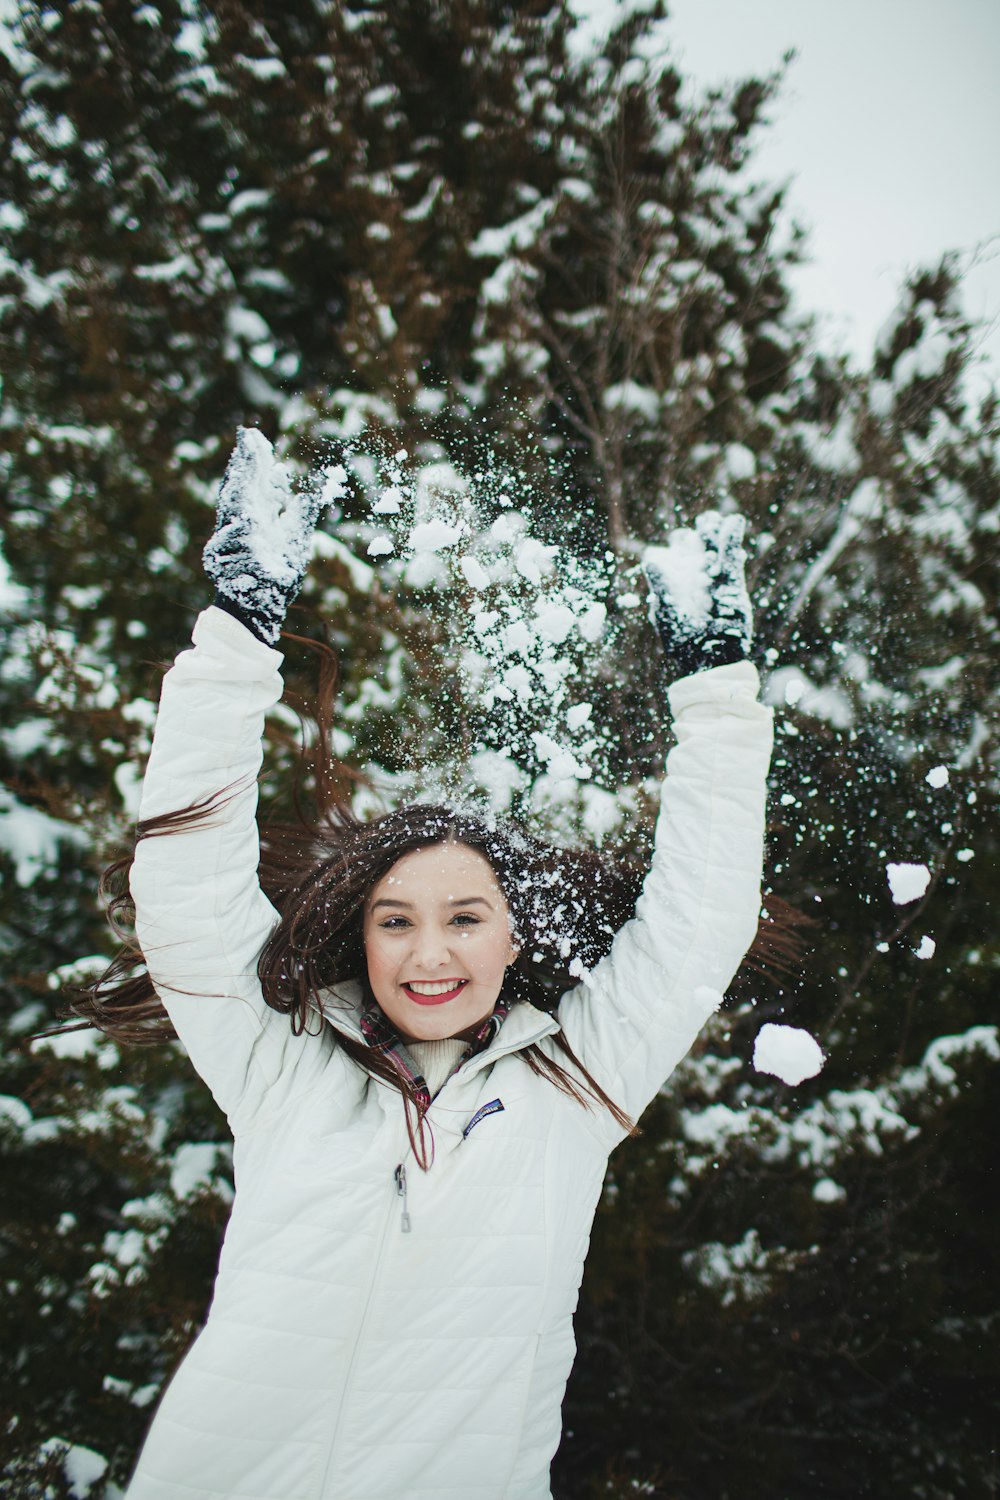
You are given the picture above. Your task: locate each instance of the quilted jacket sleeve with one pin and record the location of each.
(201, 917)
(638, 1012)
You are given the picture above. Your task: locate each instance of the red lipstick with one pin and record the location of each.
(441, 999)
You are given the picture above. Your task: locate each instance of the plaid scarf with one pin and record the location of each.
(380, 1034)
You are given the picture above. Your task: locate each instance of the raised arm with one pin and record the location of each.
(201, 917)
(637, 1014)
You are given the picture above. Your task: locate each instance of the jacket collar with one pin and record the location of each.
(524, 1025)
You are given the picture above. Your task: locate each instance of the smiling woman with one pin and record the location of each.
(428, 1033)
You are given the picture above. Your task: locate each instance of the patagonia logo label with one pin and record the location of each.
(493, 1108)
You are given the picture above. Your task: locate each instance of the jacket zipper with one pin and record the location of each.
(399, 1191)
(400, 1178)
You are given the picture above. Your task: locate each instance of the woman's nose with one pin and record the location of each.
(431, 949)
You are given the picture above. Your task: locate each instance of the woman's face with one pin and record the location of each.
(438, 941)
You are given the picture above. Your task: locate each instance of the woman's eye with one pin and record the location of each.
(466, 919)
(393, 924)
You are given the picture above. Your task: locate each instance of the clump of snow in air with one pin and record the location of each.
(525, 627)
(389, 502)
(937, 777)
(789, 1052)
(475, 574)
(334, 484)
(926, 948)
(907, 882)
(433, 535)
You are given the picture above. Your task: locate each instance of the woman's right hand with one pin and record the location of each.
(258, 554)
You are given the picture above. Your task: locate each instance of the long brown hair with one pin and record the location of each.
(566, 907)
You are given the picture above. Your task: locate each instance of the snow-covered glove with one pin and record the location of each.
(698, 597)
(258, 554)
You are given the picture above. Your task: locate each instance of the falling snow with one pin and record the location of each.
(907, 882)
(789, 1052)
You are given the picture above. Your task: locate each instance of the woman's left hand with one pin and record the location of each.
(698, 594)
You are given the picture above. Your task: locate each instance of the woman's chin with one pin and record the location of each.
(439, 1023)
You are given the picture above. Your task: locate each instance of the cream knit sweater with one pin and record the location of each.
(437, 1060)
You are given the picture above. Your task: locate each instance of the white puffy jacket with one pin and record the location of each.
(344, 1359)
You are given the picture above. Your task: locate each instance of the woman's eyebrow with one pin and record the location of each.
(453, 901)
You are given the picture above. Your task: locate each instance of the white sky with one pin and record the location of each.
(889, 124)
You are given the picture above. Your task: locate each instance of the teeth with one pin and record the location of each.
(438, 987)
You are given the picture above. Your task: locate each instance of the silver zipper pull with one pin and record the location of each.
(400, 1176)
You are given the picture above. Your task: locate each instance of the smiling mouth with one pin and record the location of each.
(437, 992)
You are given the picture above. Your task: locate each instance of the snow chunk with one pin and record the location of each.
(380, 546)
(517, 682)
(937, 776)
(554, 622)
(499, 777)
(389, 502)
(789, 1052)
(334, 484)
(790, 687)
(682, 568)
(592, 622)
(828, 1191)
(907, 882)
(562, 764)
(517, 639)
(476, 575)
(926, 949)
(602, 812)
(533, 559)
(434, 535)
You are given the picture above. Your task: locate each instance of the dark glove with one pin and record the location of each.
(698, 597)
(258, 554)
